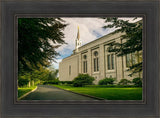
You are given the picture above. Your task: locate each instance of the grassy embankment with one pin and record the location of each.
(24, 90)
(109, 93)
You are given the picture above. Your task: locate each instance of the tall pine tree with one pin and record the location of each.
(37, 40)
(131, 40)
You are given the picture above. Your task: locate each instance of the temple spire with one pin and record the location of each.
(78, 35)
(78, 43)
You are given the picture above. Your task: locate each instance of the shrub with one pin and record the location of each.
(137, 82)
(66, 82)
(83, 79)
(51, 82)
(106, 81)
(22, 82)
(124, 82)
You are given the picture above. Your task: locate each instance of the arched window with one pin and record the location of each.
(96, 61)
(85, 64)
(95, 53)
(85, 57)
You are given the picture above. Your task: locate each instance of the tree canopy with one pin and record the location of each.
(131, 39)
(37, 40)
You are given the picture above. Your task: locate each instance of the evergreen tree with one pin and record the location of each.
(131, 39)
(37, 40)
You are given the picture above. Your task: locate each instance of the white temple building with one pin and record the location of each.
(93, 58)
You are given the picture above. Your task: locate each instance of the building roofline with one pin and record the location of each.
(90, 43)
(104, 36)
(69, 56)
(96, 40)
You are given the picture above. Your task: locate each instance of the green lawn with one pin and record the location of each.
(22, 91)
(111, 93)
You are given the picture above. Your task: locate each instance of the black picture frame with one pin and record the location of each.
(150, 12)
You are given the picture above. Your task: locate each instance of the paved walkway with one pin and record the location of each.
(46, 92)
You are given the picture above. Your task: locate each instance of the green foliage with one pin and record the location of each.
(51, 82)
(36, 37)
(106, 81)
(43, 74)
(56, 81)
(83, 79)
(137, 82)
(66, 82)
(53, 74)
(22, 91)
(124, 82)
(22, 82)
(131, 40)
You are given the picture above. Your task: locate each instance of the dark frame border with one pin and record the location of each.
(148, 8)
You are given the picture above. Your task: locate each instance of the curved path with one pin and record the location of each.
(46, 92)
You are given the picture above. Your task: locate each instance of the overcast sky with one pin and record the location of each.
(89, 28)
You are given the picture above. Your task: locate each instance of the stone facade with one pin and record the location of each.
(94, 59)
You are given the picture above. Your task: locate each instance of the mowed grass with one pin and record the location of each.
(107, 93)
(22, 91)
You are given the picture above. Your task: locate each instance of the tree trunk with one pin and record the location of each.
(29, 84)
(32, 82)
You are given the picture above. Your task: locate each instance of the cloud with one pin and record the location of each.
(90, 29)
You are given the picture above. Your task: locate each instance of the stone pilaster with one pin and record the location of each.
(120, 66)
(80, 62)
(101, 62)
(89, 62)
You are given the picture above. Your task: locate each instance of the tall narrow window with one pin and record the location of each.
(69, 70)
(131, 59)
(110, 61)
(84, 64)
(96, 62)
(128, 60)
